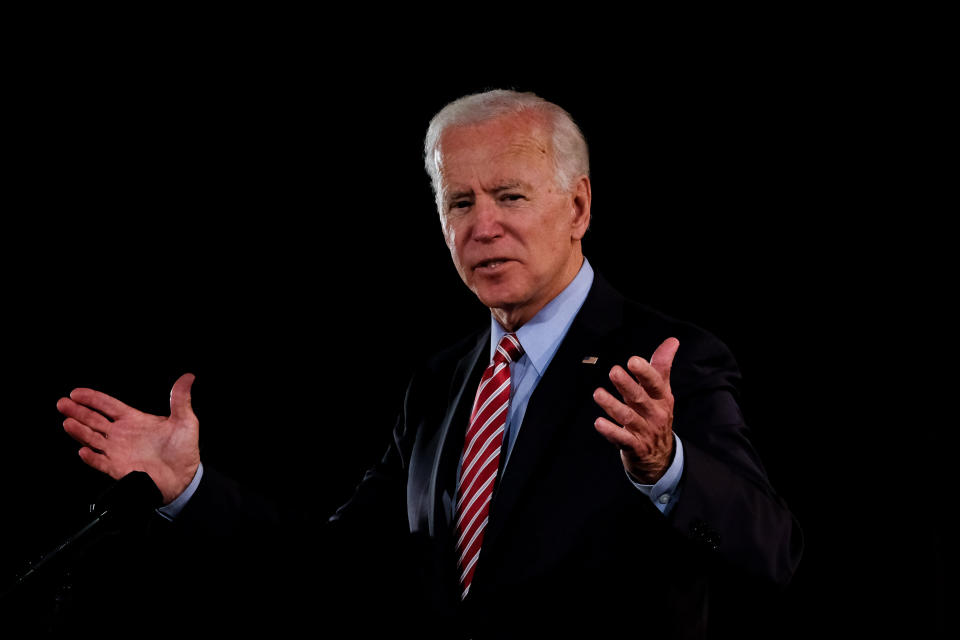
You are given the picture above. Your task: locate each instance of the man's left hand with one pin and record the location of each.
(641, 425)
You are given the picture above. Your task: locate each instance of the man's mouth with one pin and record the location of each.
(490, 265)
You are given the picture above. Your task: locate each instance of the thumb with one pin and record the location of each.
(662, 359)
(181, 405)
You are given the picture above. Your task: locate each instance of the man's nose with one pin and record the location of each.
(488, 221)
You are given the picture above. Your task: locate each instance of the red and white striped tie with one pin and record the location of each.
(481, 456)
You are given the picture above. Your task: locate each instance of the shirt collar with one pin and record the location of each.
(542, 334)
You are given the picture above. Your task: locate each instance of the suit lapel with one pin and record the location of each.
(463, 387)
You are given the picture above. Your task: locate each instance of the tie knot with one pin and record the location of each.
(509, 348)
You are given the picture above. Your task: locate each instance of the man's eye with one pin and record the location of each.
(460, 204)
(512, 197)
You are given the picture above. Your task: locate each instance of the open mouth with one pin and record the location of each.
(490, 265)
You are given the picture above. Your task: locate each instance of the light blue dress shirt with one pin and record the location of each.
(540, 338)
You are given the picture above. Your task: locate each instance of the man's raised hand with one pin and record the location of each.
(118, 439)
(641, 421)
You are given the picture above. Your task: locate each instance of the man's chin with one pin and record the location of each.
(508, 311)
(496, 300)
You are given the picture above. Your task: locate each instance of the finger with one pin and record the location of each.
(81, 414)
(651, 380)
(107, 405)
(84, 434)
(181, 405)
(618, 411)
(632, 393)
(96, 460)
(662, 359)
(614, 433)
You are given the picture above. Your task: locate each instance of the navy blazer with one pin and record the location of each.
(570, 540)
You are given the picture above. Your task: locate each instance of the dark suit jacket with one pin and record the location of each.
(569, 538)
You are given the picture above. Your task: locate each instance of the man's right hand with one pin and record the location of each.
(119, 439)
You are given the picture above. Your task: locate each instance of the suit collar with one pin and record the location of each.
(602, 312)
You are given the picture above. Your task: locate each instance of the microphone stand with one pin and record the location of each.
(135, 495)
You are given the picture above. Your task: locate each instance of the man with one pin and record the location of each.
(543, 474)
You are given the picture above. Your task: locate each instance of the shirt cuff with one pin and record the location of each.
(664, 492)
(172, 510)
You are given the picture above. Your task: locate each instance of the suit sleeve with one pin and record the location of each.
(222, 507)
(727, 505)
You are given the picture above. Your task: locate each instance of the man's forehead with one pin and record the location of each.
(501, 152)
(504, 171)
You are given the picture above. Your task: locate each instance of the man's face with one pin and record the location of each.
(513, 233)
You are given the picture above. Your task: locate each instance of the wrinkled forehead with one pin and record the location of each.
(503, 145)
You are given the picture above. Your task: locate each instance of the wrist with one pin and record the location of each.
(648, 470)
(645, 473)
(174, 481)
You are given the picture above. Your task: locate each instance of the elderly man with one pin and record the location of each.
(544, 473)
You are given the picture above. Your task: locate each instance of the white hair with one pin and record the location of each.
(568, 146)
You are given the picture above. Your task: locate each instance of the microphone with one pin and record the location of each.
(129, 499)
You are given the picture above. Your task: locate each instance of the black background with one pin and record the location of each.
(249, 205)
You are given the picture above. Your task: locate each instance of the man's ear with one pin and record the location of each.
(581, 207)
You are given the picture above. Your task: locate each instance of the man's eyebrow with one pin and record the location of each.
(503, 186)
(456, 195)
(506, 186)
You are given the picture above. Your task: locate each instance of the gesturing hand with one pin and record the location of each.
(119, 439)
(642, 426)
